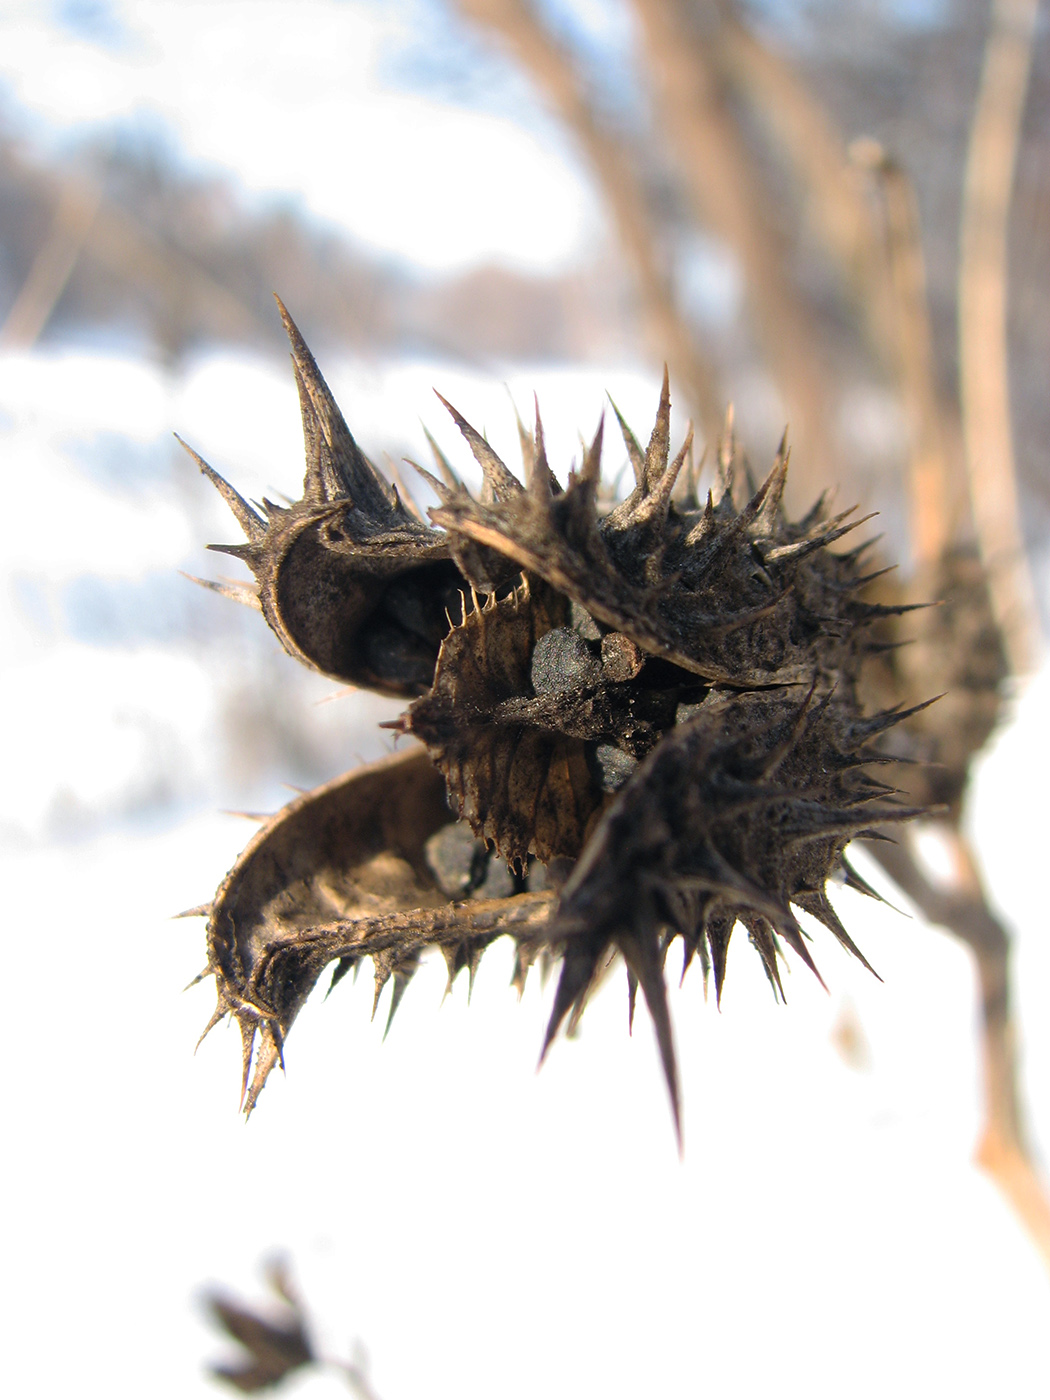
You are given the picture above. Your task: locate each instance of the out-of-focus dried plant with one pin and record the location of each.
(629, 201)
(984, 392)
(276, 1343)
(986, 625)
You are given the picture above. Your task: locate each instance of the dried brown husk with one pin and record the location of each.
(659, 698)
(525, 787)
(741, 812)
(350, 580)
(735, 596)
(340, 874)
(272, 1347)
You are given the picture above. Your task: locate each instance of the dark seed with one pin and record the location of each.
(562, 662)
(456, 859)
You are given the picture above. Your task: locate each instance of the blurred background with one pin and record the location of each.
(834, 216)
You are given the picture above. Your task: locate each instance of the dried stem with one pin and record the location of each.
(963, 910)
(929, 488)
(356, 1378)
(718, 172)
(983, 352)
(625, 196)
(883, 266)
(837, 205)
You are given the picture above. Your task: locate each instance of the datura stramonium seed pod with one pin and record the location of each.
(639, 721)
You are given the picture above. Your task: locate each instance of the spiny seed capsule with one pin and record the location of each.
(637, 722)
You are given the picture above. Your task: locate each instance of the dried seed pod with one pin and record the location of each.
(523, 785)
(739, 813)
(734, 597)
(339, 875)
(957, 651)
(272, 1347)
(349, 579)
(656, 698)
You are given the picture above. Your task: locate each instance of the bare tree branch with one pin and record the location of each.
(550, 66)
(718, 172)
(88, 226)
(983, 353)
(838, 205)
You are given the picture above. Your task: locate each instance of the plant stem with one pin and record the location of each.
(963, 910)
(983, 349)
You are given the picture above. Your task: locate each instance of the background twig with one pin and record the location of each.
(963, 910)
(718, 175)
(983, 355)
(621, 186)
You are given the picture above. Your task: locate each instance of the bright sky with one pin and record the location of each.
(304, 98)
(491, 1234)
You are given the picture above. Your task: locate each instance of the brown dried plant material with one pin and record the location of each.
(276, 1344)
(957, 651)
(720, 592)
(741, 812)
(339, 875)
(274, 1347)
(348, 578)
(960, 650)
(516, 770)
(657, 698)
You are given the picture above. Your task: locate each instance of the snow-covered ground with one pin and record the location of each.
(487, 1231)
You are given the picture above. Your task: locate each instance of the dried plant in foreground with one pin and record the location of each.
(638, 724)
(273, 1345)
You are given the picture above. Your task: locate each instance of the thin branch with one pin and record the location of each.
(963, 910)
(621, 186)
(880, 258)
(983, 349)
(718, 172)
(932, 513)
(838, 205)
